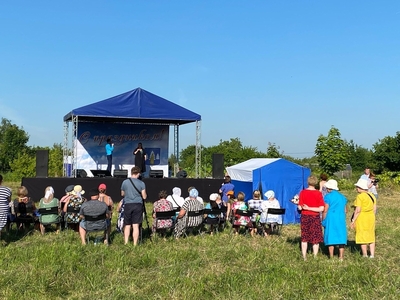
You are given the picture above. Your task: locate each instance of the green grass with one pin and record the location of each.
(222, 266)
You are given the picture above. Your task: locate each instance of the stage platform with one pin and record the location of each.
(36, 186)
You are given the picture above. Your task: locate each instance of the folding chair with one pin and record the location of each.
(93, 226)
(192, 215)
(23, 216)
(48, 211)
(242, 213)
(72, 215)
(215, 221)
(276, 227)
(164, 215)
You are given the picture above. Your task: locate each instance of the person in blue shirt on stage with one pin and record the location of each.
(109, 152)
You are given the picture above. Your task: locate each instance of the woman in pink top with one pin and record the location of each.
(311, 204)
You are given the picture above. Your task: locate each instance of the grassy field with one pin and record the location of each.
(222, 266)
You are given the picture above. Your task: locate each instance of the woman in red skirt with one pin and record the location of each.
(311, 204)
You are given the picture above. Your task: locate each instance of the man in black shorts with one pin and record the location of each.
(134, 192)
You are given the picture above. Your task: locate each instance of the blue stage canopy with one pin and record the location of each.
(136, 106)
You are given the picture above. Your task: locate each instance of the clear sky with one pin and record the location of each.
(263, 71)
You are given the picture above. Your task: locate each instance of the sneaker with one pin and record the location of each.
(372, 256)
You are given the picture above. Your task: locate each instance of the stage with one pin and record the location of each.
(36, 186)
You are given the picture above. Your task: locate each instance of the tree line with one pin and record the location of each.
(332, 154)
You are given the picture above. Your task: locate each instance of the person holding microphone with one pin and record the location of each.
(109, 152)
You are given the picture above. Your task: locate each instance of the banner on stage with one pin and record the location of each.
(92, 138)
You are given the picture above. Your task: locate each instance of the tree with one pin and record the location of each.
(386, 153)
(332, 152)
(359, 157)
(273, 151)
(13, 142)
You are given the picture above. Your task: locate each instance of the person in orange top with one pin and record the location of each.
(311, 204)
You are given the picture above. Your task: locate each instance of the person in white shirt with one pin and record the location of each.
(176, 199)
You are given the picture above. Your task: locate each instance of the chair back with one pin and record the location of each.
(276, 211)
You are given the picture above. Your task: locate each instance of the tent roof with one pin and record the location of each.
(244, 170)
(136, 106)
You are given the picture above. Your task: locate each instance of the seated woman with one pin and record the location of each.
(23, 209)
(215, 203)
(239, 220)
(268, 220)
(183, 221)
(255, 204)
(162, 205)
(72, 208)
(49, 201)
(103, 197)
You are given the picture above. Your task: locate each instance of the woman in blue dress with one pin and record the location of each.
(334, 219)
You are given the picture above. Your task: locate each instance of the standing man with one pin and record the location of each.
(109, 152)
(140, 158)
(365, 176)
(134, 192)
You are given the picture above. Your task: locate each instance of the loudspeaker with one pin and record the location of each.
(101, 173)
(81, 173)
(218, 165)
(119, 173)
(42, 163)
(156, 174)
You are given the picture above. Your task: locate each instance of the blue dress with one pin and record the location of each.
(335, 232)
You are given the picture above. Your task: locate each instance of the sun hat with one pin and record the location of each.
(331, 184)
(78, 190)
(69, 189)
(362, 184)
(213, 197)
(269, 194)
(102, 186)
(193, 193)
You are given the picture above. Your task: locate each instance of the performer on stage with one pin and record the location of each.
(140, 158)
(109, 152)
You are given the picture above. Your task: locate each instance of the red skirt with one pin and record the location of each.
(311, 229)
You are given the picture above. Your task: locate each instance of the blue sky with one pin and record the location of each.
(264, 71)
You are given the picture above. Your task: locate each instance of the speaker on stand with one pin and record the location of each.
(218, 165)
(42, 163)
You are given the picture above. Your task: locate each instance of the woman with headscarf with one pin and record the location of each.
(311, 204)
(49, 201)
(176, 199)
(334, 219)
(183, 221)
(363, 220)
(268, 220)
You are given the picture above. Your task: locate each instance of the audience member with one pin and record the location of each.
(311, 204)
(49, 201)
(334, 219)
(176, 199)
(239, 220)
(103, 197)
(367, 171)
(373, 185)
(226, 187)
(23, 208)
(268, 220)
(323, 179)
(183, 221)
(255, 204)
(162, 204)
(92, 208)
(215, 203)
(140, 158)
(5, 198)
(134, 192)
(364, 218)
(72, 208)
(120, 218)
(229, 203)
(198, 197)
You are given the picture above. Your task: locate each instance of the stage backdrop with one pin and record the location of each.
(92, 138)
